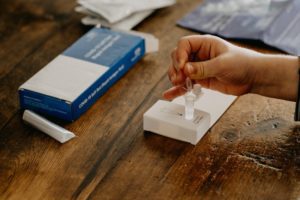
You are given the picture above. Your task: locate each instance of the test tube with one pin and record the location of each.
(190, 98)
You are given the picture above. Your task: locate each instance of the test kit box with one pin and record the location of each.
(67, 86)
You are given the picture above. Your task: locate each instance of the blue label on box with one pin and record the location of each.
(102, 46)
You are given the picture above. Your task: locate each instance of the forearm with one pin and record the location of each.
(276, 76)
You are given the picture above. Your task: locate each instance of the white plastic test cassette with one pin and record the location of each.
(168, 119)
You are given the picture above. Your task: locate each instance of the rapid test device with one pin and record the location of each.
(181, 122)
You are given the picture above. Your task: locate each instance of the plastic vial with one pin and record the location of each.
(190, 98)
(189, 105)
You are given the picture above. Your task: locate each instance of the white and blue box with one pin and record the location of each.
(67, 86)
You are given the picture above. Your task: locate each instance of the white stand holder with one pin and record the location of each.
(168, 119)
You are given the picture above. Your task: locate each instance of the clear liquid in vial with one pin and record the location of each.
(189, 105)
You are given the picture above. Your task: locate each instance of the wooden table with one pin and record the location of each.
(252, 152)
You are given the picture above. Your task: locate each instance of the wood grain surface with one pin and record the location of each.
(252, 152)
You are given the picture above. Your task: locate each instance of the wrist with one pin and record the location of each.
(276, 76)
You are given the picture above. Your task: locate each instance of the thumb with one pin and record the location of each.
(201, 70)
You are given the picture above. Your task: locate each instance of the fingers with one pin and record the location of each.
(201, 70)
(175, 59)
(202, 45)
(185, 57)
(172, 73)
(174, 92)
(198, 46)
(176, 75)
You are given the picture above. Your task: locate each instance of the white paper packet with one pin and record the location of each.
(58, 133)
(124, 24)
(116, 10)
